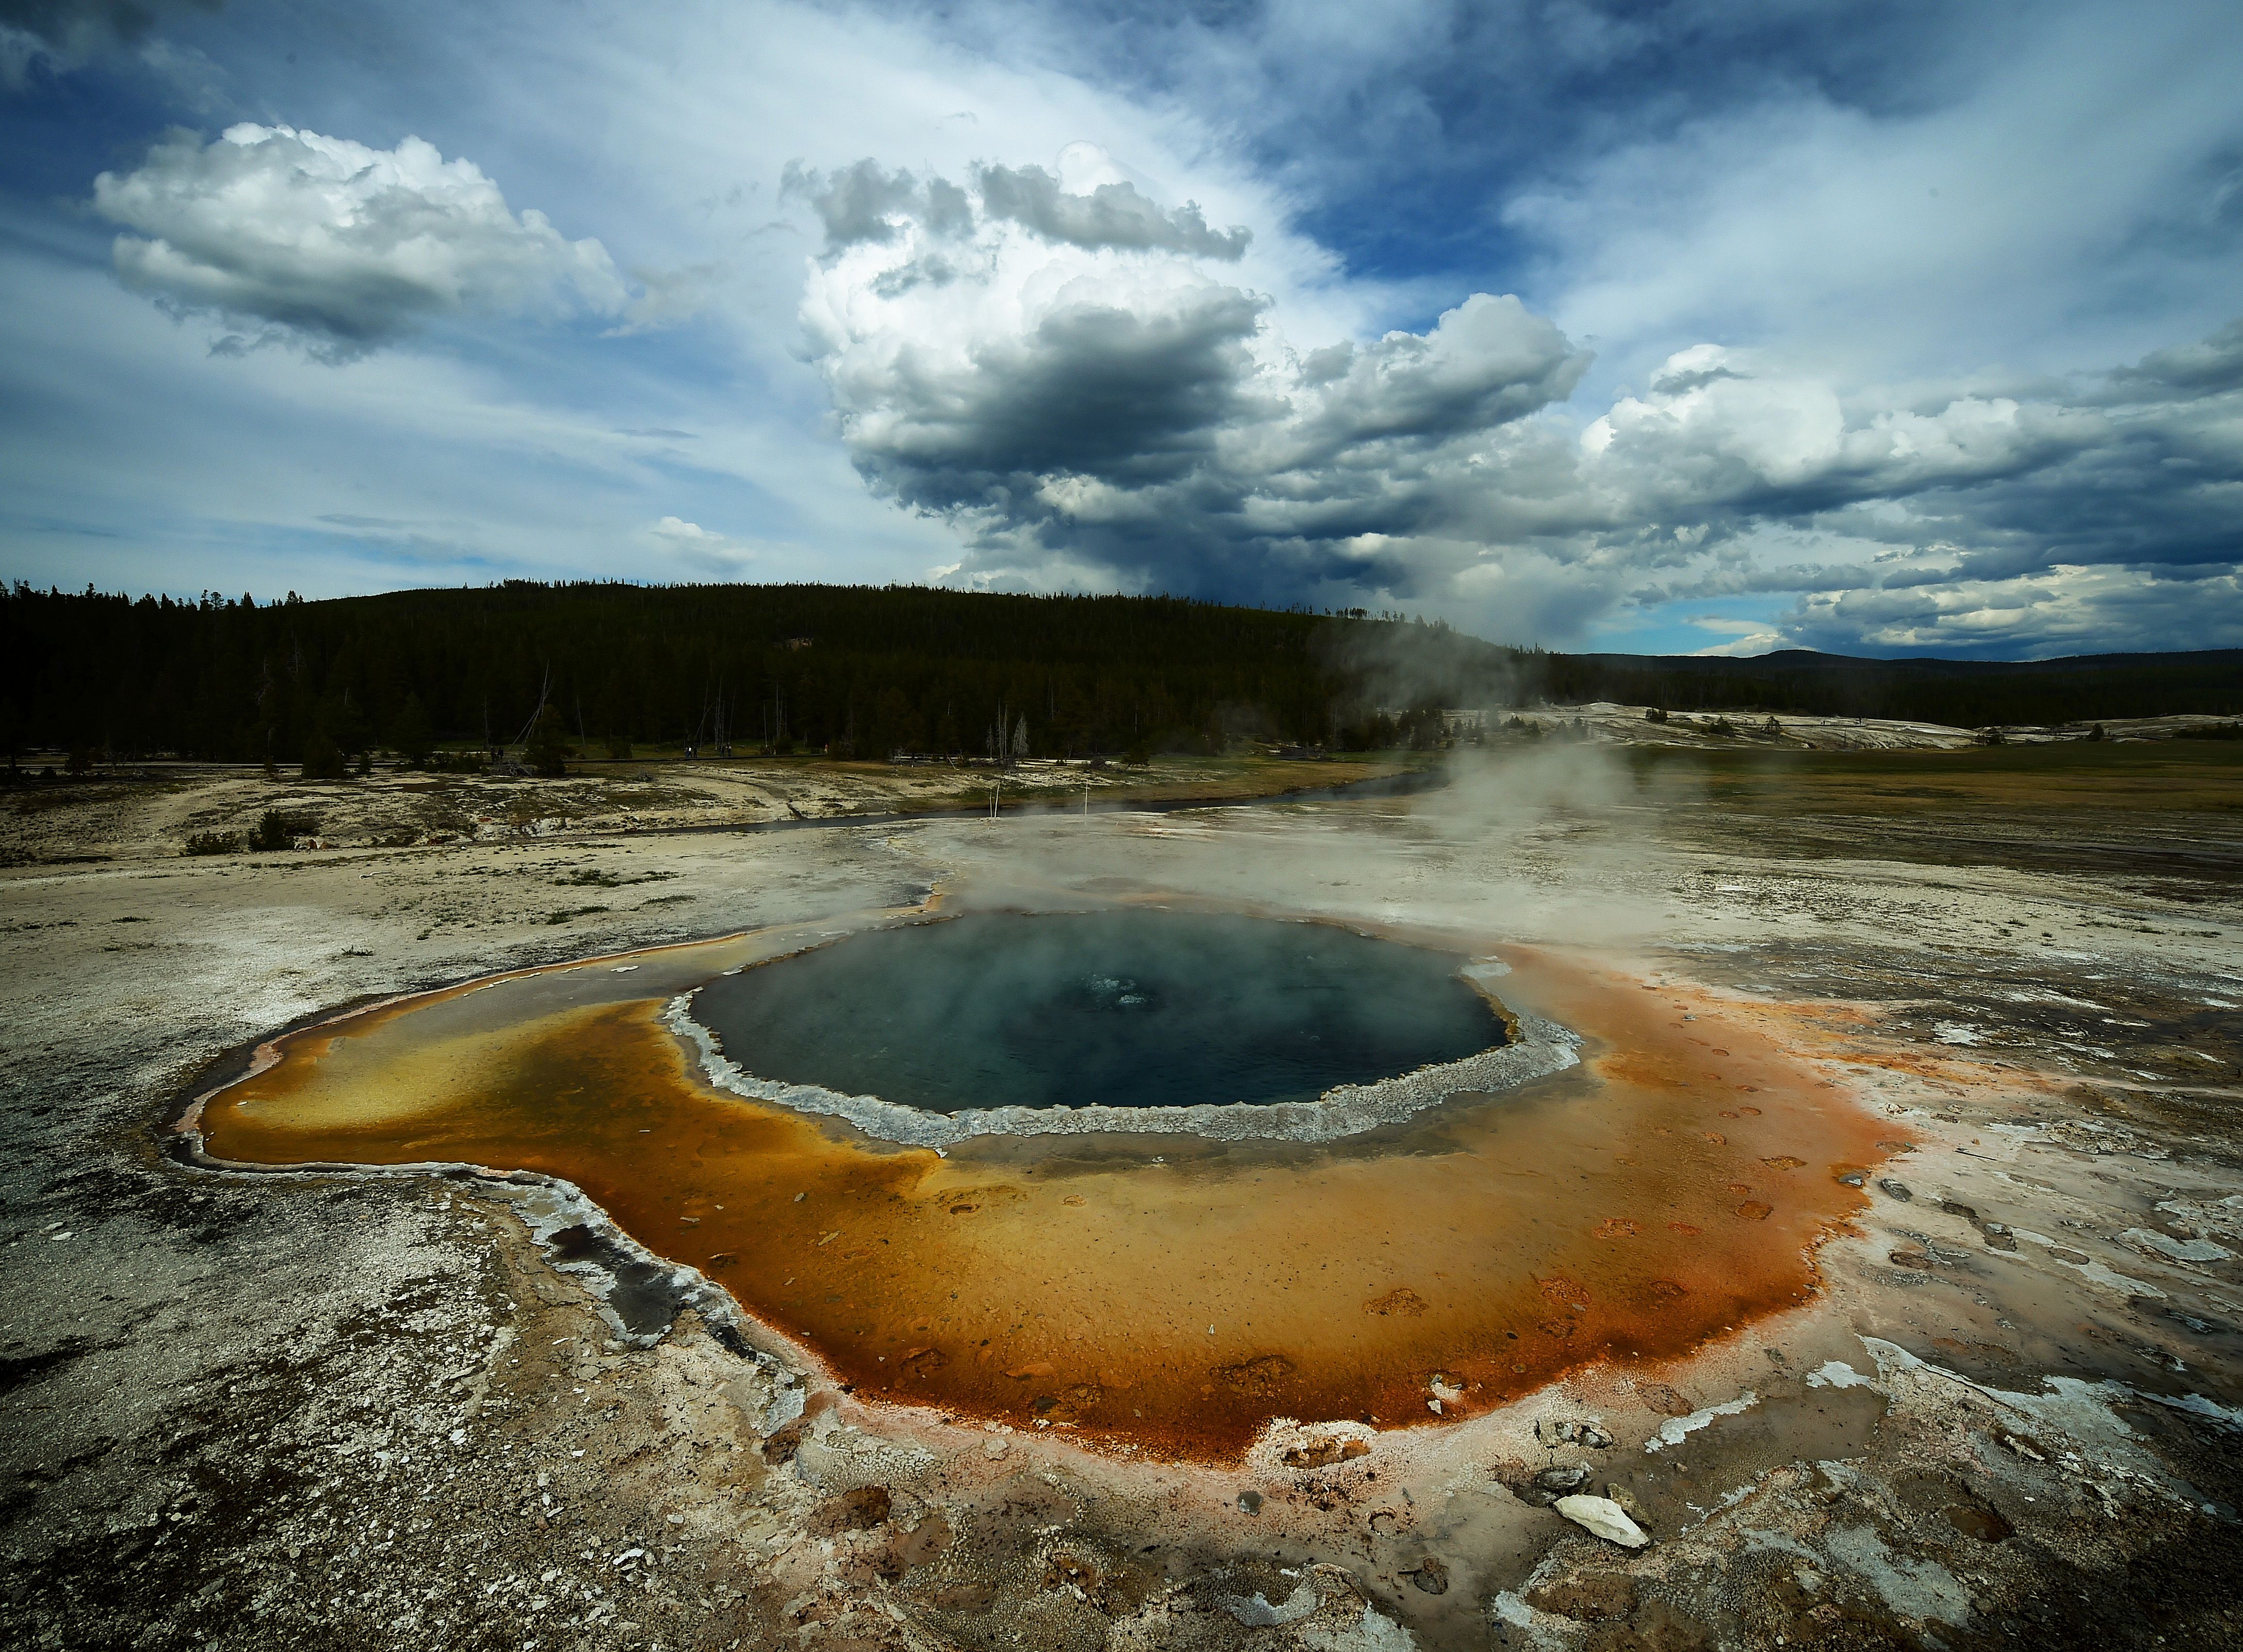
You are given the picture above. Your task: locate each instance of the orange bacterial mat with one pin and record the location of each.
(1161, 1291)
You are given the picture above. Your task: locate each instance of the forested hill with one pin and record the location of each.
(864, 671)
(1965, 693)
(851, 669)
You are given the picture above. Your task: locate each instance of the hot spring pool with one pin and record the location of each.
(1132, 1009)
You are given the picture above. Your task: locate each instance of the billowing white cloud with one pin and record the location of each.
(338, 245)
(1078, 386)
(1119, 411)
(1079, 406)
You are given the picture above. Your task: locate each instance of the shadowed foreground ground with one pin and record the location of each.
(335, 1410)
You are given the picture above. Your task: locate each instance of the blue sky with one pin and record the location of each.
(1909, 329)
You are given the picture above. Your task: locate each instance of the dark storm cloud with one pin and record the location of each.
(1086, 397)
(2209, 367)
(1095, 390)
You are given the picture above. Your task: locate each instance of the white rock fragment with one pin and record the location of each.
(1674, 1430)
(2195, 1250)
(1836, 1374)
(1604, 1517)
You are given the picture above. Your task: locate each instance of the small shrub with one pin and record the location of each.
(214, 844)
(324, 760)
(547, 751)
(278, 829)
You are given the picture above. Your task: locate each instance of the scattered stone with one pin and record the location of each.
(1897, 1189)
(1964, 1211)
(2020, 1445)
(1563, 1478)
(1322, 1453)
(1621, 1495)
(1401, 1299)
(1606, 1518)
(1250, 1501)
(1431, 1576)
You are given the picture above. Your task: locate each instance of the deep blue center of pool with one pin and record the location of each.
(1127, 1008)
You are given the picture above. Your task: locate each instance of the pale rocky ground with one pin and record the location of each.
(135, 811)
(1630, 725)
(328, 1410)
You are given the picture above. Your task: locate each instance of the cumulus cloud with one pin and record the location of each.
(2103, 518)
(335, 245)
(1064, 373)
(1090, 408)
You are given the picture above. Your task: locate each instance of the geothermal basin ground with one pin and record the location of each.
(1874, 1246)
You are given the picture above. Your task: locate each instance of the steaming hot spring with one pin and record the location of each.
(1157, 1177)
(1130, 1020)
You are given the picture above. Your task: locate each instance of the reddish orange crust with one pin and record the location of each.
(1172, 1306)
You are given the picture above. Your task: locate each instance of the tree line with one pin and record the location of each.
(867, 672)
(849, 671)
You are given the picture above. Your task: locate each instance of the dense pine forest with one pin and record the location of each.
(867, 672)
